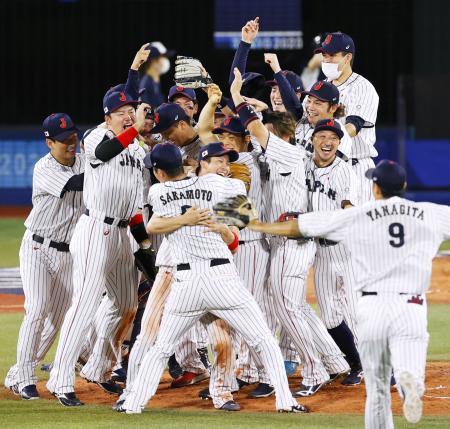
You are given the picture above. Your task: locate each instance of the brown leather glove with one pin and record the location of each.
(241, 172)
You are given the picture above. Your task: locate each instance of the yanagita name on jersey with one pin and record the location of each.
(189, 194)
(395, 209)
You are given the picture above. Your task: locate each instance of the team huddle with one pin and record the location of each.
(178, 230)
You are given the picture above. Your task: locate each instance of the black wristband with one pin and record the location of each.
(139, 233)
(246, 113)
(356, 121)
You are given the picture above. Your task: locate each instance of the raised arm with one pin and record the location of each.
(249, 32)
(132, 84)
(206, 118)
(246, 113)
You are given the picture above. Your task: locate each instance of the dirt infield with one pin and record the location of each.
(334, 398)
(15, 211)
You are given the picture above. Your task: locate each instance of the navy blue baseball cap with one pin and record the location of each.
(119, 88)
(181, 90)
(59, 126)
(324, 91)
(336, 42)
(157, 49)
(388, 175)
(293, 78)
(330, 125)
(217, 149)
(168, 114)
(116, 100)
(165, 156)
(231, 125)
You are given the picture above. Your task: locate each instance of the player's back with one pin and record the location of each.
(393, 242)
(170, 199)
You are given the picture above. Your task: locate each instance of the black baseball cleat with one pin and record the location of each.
(354, 378)
(119, 375)
(262, 390)
(175, 369)
(118, 405)
(335, 376)
(304, 390)
(295, 409)
(29, 392)
(230, 406)
(110, 387)
(203, 353)
(241, 383)
(68, 399)
(204, 394)
(14, 389)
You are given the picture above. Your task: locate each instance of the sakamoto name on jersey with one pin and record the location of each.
(189, 194)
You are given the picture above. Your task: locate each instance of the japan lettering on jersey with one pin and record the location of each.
(169, 199)
(284, 184)
(113, 187)
(55, 211)
(392, 241)
(360, 98)
(303, 137)
(331, 186)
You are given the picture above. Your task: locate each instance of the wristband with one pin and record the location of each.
(137, 228)
(234, 245)
(246, 113)
(126, 137)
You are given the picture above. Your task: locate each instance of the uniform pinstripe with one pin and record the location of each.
(328, 188)
(404, 237)
(360, 98)
(46, 272)
(103, 260)
(203, 289)
(290, 262)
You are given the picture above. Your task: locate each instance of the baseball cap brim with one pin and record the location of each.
(369, 173)
(232, 154)
(323, 50)
(312, 94)
(64, 135)
(184, 94)
(133, 103)
(220, 130)
(272, 82)
(339, 133)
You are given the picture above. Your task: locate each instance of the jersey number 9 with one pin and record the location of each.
(397, 231)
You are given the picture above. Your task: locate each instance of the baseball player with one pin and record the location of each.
(360, 100)
(45, 261)
(103, 258)
(332, 185)
(206, 281)
(391, 314)
(252, 260)
(285, 195)
(185, 98)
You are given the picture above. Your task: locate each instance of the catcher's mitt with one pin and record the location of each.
(241, 172)
(235, 211)
(190, 73)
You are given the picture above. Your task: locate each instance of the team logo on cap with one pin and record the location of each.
(227, 121)
(46, 133)
(318, 85)
(330, 123)
(62, 123)
(156, 118)
(328, 39)
(180, 88)
(122, 97)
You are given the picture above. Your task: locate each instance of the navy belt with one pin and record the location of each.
(415, 299)
(60, 247)
(123, 223)
(213, 263)
(325, 243)
(355, 161)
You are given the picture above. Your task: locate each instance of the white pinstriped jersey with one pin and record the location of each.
(303, 136)
(285, 189)
(54, 217)
(255, 192)
(115, 187)
(360, 98)
(392, 242)
(169, 199)
(328, 187)
(164, 256)
(191, 150)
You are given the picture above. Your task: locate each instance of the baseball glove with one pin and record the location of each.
(190, 73)
(145, 260)
(241, 172)
(235, 211)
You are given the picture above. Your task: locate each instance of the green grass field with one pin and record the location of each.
(48, 414)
